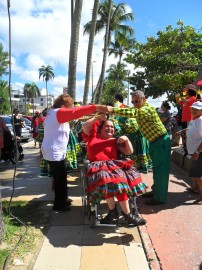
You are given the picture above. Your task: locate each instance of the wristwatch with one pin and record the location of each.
(197, 152)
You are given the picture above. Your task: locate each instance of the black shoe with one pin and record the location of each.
(197, 201)
(148, 195)
(112, 216)
(153, 202)
(65, 208)
(134, 220)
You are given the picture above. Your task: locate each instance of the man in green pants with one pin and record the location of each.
(159, 143)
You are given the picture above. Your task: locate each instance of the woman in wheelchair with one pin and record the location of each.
(109, 176)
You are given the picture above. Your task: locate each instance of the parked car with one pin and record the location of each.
(28, 123)
(26, 134)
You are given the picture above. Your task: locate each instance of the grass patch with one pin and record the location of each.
(36, 216)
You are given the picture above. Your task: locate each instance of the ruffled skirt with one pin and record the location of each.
(111, 178)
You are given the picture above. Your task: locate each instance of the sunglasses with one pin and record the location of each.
(135, 101)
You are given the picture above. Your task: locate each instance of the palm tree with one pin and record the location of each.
(120, 47)
(31, 90)
(118, 74)
(111, 18)
(47, 74)
(74, 49)
(90, 50)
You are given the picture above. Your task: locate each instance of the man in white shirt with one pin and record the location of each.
(194, 147)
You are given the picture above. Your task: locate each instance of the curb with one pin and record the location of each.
(151, 255)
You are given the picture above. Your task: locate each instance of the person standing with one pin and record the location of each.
(118, 101)
(186, 103)
(165, 115)
(194, 147)
(18, 123)
(3, 128)
(54, 145)
(155, 132)
(35, 126)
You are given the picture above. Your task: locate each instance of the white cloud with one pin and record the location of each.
(41, 36)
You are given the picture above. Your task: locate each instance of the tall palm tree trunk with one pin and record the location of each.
(74, 49)
(72, 13)
(106, 44)
(33, 105)
(90, 50)
(47, 94)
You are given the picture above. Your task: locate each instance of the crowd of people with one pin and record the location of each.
(141, 133)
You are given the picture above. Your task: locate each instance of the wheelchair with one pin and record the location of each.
(12, 151)
(92, 211)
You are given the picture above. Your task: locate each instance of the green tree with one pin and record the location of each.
(111, 17)
(4, 94)
(47, 74)
(168, 61)
(74, 43)
(31, 91)
(4, 61)
(90, 51)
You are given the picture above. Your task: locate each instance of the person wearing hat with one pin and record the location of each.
(155, 132)
(194, 147)
(185, 103)
(18, 122)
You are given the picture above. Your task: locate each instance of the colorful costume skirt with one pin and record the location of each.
(74, 152)
(40, 134)
(45, 168)
(140, 156)
(113, 177)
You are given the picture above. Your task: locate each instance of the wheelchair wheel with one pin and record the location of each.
(14, 155)
(92, 219)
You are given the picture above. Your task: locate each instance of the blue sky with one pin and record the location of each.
(41, 34)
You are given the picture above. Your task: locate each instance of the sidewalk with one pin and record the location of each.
(171, 238)
(70, 244)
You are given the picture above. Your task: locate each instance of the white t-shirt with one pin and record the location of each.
(54, 146)
(194, 135)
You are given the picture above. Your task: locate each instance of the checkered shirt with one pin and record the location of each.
(147, 118)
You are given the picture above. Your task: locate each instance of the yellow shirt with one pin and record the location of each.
(147, 118)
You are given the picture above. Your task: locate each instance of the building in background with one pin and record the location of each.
(40, 103)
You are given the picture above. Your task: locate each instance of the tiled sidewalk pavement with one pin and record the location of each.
(70, 243)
